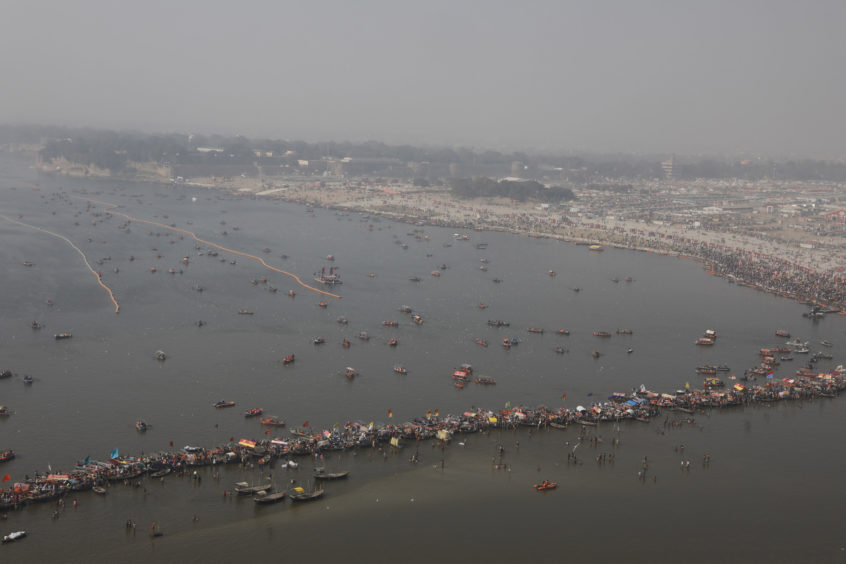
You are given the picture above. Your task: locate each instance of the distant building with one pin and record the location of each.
(839, 216)
(667, 167)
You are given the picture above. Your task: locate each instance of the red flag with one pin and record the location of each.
(564, 396)
(171, 443)
(267, 432)
(436, 413)
(231, 439)
(390, 413)
(429, 413)
(305, 424)
(7, 477)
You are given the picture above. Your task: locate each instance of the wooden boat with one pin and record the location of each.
(292, 293)
(624, 331)
(485, 381)
(601, 334)
(288, 360)
(60, 336)
(243, 488)
(390, 323)
(703, 342)
(319, 340)
(576, 289)
(563, 332)
(272, 421)
(350, 372)
(342, 320)
(595, 353)
(535, 330)
(782, 333)
(269, 498)
(364, 336)
(161, 473)
(7, 455)
(322, 304)
(141, 426)
(559, 426)
(99, 490)
(545, 485)
(346, 343)
(299, 494)
(482, 342)
(400, 369)
(4, 411)
(393, 342)
(552, 273)
(322, 474)
(223, 403)
(254, 412)
(497, 323)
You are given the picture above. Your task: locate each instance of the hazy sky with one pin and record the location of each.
(633, 76)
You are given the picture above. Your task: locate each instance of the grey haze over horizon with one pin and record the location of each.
(760, 77)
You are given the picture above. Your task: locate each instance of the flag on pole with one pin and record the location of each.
(508, 405)
(437, 413)
(564, 396)
(687, 385)
(390, 413)
(87, 461)
(429, 413)
(113, 454)
(7, 477)
(305, 424)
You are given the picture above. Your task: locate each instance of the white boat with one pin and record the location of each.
(11, 537)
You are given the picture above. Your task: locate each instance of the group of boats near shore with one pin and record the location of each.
(639, 405)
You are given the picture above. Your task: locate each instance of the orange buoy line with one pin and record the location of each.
(77, 249)
(110, 209)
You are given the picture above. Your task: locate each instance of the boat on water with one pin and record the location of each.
(826, 343)
(346, 343)
(576, 289)
(253, 412)
(321, 474)
(60, 336)
(141, 425)
(560, 350)
(319, 340)
(485, 381)
(244, 488)
(390, 323)
(393, 342)
(417, 319)
(624, 331)
(414, 278)
(601, 334)
(342, 320)
(350, 372)
(498, 323)
(322, 304)
(162, 472)
(552, 273)
(299, 494)
(272, 421)
(99, 490)
(482, 342)
(782, 333)
(704, 342)
(36, 325)
(797, 343)
(269, 498)
(331, 278)
(595, 353)
(4, 411)
(6, 455)
(364, 336)
(405, 309)
(223, 403)
(706, 369)
(27, 380)
(563, 332)
(535, 330)
(545, 485)
(160, 355)
(711, 383)
(12, 537)
(288, 360)
(292, 293)
(400, 369)
(245, 312)
(596, 248)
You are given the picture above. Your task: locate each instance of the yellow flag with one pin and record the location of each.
(687, 385)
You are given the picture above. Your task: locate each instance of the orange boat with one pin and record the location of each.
(546, 485)
(253, 412)
(563, 332)
(482, 342)
(272, 421)
(322, 304)
(288, 359)
(390, 323)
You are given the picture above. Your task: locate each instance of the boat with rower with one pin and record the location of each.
(482, 342)
(223, 403)
(782, 333)
(141, 425)
(498, 323)
(350, 372)
(393, 342)
(485, 381)
(288, 360)
(253, 412)
(319, 340)
(535, 330)
(545, 485)
(400, 369)
(60, 336)
(601, 334)
(6, 455)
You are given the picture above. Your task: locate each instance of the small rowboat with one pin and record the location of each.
(546, 485)
(267, 498)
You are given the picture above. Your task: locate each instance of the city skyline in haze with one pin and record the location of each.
(632, 77)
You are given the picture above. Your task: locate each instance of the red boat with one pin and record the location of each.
(350, 372)
(254, 412)
(393, 342)
(288, 359)
(546, 485)
(482, 342)
(390, 323)
(272, 422)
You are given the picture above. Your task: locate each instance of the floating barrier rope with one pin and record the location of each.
(110, 209)
(77, 249)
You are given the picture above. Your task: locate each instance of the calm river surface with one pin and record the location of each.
(772, 492)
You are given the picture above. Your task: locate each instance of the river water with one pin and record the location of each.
(770, 492)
